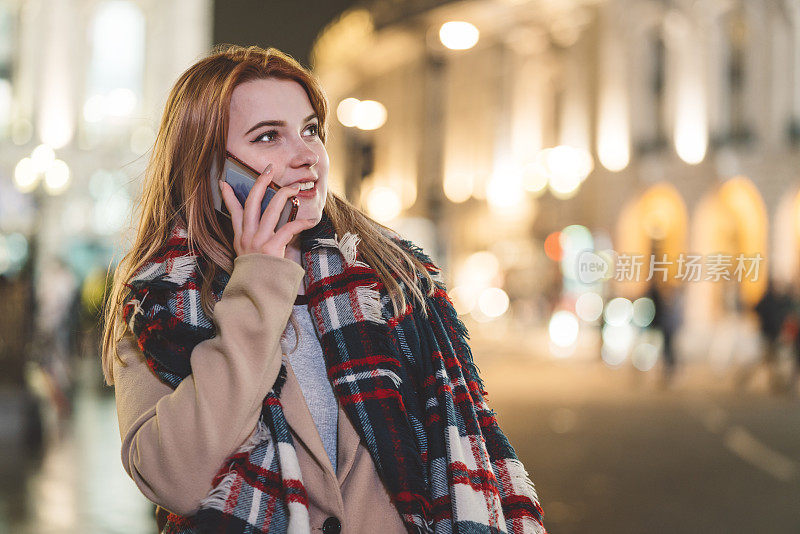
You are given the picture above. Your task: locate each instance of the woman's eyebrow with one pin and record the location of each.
(276, 123)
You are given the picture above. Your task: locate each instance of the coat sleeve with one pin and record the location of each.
(175, 441)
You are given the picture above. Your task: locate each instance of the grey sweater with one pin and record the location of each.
(308, 364)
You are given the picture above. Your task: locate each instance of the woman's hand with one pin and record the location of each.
(253, 232)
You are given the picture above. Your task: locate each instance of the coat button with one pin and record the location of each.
(331, 526)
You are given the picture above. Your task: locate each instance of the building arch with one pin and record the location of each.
(731, 221)
(653, 223)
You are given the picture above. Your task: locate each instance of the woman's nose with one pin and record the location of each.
(304, 155)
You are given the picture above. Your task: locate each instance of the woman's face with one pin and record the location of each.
(272, 121)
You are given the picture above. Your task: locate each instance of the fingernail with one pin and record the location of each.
(269, 167)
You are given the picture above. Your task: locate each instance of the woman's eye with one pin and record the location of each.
(270, 135)
(271, 132)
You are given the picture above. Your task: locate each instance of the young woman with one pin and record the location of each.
(372, 420)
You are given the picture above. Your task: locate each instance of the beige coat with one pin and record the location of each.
(175, 441)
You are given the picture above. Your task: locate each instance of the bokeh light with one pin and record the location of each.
(552, 246)
(458, 35)
(25, 175)
(346, 111)
(42, 157)
(563, 328)
(370, 115)
(493, 302)
(589, 306)
(480, 270)
(617, 343)
(56, 177)
(644, 310)
(566, 168)
(464, 298)
(505, 189)
(644, 356)
(458, 187)
(618, 312)
(383, 203)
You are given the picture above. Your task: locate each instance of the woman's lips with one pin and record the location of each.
(308, 193)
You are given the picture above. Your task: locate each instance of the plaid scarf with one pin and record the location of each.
(407, 383)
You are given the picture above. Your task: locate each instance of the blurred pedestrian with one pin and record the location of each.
(667, 320)
(772, 310)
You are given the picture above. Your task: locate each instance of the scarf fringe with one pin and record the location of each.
(347, 246)
(522, 483)
(368, 296)
(219, 494)
(182, 268)
(371, 303)
(518, 472)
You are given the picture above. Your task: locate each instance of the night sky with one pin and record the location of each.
(290, 25)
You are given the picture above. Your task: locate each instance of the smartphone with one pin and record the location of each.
(241, 177)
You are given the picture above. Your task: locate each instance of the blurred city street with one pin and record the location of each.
(610, 451)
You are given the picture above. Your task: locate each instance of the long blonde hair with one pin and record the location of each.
(192, 132)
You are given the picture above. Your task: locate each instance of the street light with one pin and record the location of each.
(563, 328)
(383, 203)
(458, 35)
(56, 177)
(346, 111)
(361, 114)
(370, 115)
(25, 175)
(42, 157)
(493, 302)
(42, 164)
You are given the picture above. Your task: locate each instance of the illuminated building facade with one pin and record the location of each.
(647, 127)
